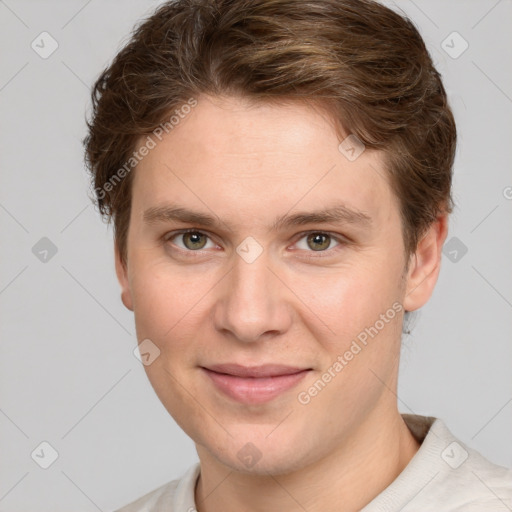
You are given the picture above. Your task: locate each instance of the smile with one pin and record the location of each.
(268, 384)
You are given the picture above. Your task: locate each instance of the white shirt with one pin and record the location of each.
(444, 475)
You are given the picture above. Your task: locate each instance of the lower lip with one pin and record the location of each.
(254, 390)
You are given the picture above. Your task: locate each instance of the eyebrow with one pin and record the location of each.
(336, 214)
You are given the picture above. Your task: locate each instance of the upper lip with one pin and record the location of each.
(265, 370)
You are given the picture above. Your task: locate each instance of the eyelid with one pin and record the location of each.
(173, 234)
(340, 239)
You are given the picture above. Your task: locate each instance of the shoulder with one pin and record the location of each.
(473, 483)
(445, 475)
(162, 496)
(175, 495)
(463, 480)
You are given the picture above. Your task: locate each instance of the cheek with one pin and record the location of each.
(363, 312)
(349, 299)
(167, 308)
(166, 299)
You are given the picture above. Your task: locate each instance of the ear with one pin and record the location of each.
(122, 277)
(424, 265)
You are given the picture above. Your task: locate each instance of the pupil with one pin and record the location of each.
(319, 239)
(195, 240)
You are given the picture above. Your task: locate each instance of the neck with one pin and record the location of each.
(347, 479)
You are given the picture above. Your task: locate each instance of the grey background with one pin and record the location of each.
(68, 375)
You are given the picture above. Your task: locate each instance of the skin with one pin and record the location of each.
(294, 305)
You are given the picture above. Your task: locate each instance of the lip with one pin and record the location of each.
(264, 370)
(255, 384)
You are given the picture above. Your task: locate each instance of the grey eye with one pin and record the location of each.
(190, 240)
(316, 241)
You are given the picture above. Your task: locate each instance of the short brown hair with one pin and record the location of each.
(364, 63)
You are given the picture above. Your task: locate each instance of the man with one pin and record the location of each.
(279, 176)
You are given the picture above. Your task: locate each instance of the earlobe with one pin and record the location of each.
(122, 277)
(425, 265)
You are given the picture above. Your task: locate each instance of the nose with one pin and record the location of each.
(252, 301)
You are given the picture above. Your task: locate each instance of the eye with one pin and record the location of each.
(191, 240)
(317, 241)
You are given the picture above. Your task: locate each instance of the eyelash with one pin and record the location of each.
(317, 254)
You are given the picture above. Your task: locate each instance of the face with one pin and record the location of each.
(293, 257)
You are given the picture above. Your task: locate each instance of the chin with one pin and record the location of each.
(261, 455)
(265, 466)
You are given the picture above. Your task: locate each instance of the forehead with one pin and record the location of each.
(240, 159)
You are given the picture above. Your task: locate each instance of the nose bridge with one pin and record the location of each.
(251, 304)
